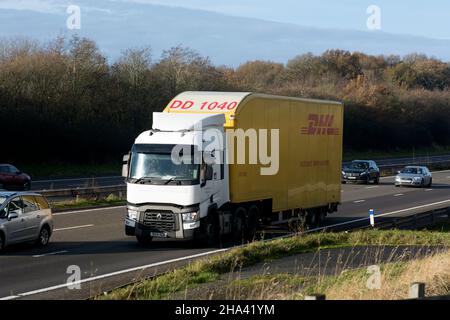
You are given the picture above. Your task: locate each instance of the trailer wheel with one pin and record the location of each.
(252, 223)
(239, 224)
(315, 218)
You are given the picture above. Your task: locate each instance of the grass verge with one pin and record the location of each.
(210, 269)
(87, 203)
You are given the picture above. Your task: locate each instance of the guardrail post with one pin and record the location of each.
(417, 290)
(316, 296)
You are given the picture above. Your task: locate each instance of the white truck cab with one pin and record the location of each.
(170, 199)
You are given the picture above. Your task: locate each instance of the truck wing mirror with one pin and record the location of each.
(125, 165)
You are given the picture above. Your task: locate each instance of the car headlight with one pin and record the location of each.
(190, 216)
(397, 178)
(343, 173)
(132, 214)
(363, 173)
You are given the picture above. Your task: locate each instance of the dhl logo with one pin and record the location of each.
(320, 124)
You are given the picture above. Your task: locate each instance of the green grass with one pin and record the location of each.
(209, 269)
(37, 171)
(86, 203)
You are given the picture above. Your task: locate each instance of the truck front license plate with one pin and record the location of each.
(158, 234)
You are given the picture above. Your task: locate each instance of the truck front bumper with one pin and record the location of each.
(182, 230)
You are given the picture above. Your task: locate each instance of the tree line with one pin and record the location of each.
(62, 101)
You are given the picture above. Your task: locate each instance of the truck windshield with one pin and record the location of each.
(152, 165)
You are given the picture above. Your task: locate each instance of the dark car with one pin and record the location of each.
(13, 178)
(361, 171)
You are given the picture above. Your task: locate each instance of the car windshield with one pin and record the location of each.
(359, 165)
(146, 164)
(412, 171)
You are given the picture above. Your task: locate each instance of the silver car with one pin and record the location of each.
(414, 176)
(24, 217)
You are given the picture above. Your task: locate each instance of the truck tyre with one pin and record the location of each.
(211, 230)
(144, 241)
(315, 218)
(252, 223)
(239, 224)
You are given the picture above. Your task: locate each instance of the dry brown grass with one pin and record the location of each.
(434, 271)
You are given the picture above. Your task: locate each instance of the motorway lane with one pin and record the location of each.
(95, 240)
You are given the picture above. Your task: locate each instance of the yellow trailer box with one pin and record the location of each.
(310, 146)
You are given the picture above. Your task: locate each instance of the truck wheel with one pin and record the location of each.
(211, 229)
(252, 223)
(239, 224)
(144, 241)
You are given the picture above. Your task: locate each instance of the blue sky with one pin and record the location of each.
(429, 18)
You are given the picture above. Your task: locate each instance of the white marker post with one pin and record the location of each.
(372, 218)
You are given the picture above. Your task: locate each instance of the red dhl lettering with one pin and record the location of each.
(320, 125)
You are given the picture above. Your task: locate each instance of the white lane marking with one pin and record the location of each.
(77, 179)
(398, 194)
(107, 275)
(428, 189)
(49, 254)
(75, 227)
(359, 201)
(372, 187)
(87, 210)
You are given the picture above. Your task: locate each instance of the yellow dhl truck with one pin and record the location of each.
(217, 163)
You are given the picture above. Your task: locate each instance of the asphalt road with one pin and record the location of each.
(94, 241)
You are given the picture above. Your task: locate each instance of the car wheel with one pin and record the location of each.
(430, 183)
(44, 237)
(2, 242)
(144, 241)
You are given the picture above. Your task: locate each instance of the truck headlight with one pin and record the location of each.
(190, 217)
(132, 214)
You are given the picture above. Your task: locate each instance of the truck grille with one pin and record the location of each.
(163, 221)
